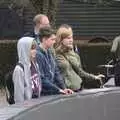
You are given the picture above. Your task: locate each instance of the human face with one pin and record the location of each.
(68, 41)
(49, 42)
(33, 51)
(44, 22)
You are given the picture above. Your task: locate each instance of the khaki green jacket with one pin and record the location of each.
(70, 66)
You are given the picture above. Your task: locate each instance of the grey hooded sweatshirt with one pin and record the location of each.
(21, 78)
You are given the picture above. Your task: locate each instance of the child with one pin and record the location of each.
(27, 83)
(52, 81)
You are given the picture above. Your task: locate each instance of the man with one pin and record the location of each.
(40, 21)
(52, 81)
(115, 50)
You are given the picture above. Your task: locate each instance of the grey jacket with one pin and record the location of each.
(21, 78)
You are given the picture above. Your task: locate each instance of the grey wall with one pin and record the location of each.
(89, 19)
(94, 104)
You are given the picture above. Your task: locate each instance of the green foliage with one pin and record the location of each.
(7, 59)
(13, 3)
(92, 56)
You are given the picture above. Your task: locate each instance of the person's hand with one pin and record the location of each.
(62, 91)
(99, 77)
(68, 91)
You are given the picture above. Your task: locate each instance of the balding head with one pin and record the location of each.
(41, 20)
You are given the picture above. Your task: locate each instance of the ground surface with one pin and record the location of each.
(2, 98)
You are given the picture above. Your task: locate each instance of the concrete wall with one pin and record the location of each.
(94, 104)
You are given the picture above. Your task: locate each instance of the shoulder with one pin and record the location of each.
(18, 69)
(39, 51)
(59, 56)
(40, 55)
(72, 54)
(116, 39)
(60, 59)
(18, 73)
(29, 34)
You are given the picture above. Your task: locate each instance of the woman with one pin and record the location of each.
(69, 61)
(26, 79)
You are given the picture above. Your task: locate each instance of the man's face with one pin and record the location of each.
(44, 22)
(49, 42)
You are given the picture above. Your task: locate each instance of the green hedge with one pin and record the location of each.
(7, 58)
(92, 56)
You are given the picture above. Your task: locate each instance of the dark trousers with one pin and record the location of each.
(117, 73)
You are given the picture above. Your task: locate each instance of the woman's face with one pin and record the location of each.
(33, 52)
(68, 41)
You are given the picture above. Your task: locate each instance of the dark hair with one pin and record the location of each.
(46, 32)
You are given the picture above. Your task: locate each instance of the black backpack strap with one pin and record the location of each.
(9, 88)
(21, 65)
(10, 85)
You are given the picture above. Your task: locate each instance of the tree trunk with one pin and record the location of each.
(53, 5)
(47, 7)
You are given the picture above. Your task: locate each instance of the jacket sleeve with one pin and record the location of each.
(79, 70)
(114, 49)
(58, 77)
(84, 74)
(114, 45)
(46, 83)
(18, 79)
(76, 67)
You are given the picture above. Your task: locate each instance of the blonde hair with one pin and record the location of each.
(63, 32)
(37, 19)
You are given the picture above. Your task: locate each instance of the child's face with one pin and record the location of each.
(50, 41)
(33, 51)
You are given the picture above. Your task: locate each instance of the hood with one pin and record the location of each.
(23, 49)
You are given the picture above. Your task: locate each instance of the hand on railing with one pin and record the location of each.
(100, 78)
(66, 91)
